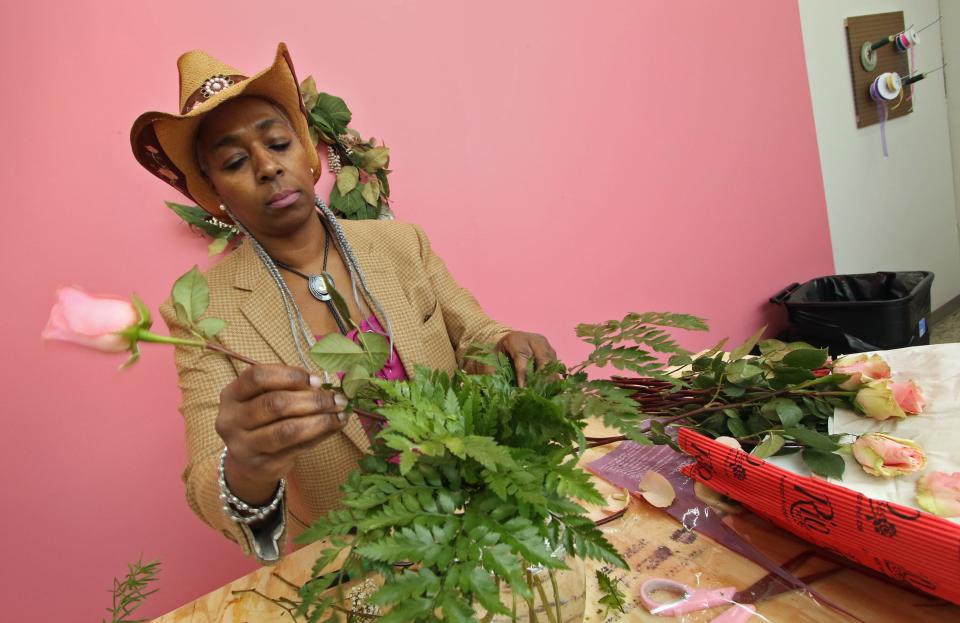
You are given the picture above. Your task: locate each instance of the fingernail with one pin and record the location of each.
(342, 417)
(315, 381)
(340, 400)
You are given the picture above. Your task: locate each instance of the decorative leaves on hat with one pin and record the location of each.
(362, 190)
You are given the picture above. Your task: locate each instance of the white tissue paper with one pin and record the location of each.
(936, 369)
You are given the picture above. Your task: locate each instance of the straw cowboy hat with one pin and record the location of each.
(164, 142)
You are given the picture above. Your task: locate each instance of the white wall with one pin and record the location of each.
(896, 213)
(950, 41)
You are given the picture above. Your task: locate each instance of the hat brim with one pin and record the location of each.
(164, 143)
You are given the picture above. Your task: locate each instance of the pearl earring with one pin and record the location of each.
(223, 208)
(312, 172)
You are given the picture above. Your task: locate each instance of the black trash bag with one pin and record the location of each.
(859, 313)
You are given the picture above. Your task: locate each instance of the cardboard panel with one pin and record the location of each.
(876, 28)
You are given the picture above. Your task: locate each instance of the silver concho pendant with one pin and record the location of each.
(318, 288)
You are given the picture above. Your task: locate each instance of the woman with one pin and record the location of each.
(267, 447)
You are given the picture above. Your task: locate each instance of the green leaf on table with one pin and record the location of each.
(743, 371)
(770, 445)
(355, 378)
(736, 427)
(770, 346)
(812, 438)
(734, 391)
(191, 292)
(210, 327)
(613, 597)
(807, 358)
(775, 350)
(823, 463)
(337, 353)
(788, 412)
(347, 179)
(783, 376)
(680, 360)
(377, 347)
(746, 347)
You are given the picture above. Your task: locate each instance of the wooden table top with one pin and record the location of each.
(655, 545)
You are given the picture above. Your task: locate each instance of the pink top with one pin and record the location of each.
(393, 370)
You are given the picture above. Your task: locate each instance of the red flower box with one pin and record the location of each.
(906, 544)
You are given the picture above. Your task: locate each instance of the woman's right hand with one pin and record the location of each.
(269, 415)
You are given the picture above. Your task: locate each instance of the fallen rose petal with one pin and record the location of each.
(730, 442)
(656, 489)
(939, 493)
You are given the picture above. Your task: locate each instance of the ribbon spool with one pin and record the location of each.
(906, 40)
(885, 88)
(903, 41)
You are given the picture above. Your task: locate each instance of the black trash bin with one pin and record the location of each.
(858, 313)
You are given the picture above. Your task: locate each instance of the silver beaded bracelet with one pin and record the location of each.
(234, 506)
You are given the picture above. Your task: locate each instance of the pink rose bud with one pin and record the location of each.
(908, 396)
(887, 456)
(939, 493)
(862, 369)
(91, 321)
(875, 399)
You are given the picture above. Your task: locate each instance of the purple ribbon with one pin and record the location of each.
(882, 113)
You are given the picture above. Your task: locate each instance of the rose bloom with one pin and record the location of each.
(876, 400)
(862, 369)
(92, 321)
(908, 396)
(939, 493)
(887, 456)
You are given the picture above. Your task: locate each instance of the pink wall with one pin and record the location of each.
(571, 161)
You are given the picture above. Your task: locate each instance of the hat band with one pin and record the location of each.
(210, 87)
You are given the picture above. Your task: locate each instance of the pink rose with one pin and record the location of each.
(875, 399)
(887, 456)
(92, 321)
(862, 369)
(908, 396)
(939, 493)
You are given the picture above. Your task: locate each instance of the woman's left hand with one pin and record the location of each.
(521, 347)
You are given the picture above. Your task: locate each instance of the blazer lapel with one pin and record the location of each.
(264, 310)
(385, 286)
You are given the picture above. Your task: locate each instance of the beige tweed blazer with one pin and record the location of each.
(433, 319)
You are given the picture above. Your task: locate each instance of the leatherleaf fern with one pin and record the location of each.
(473, 479)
